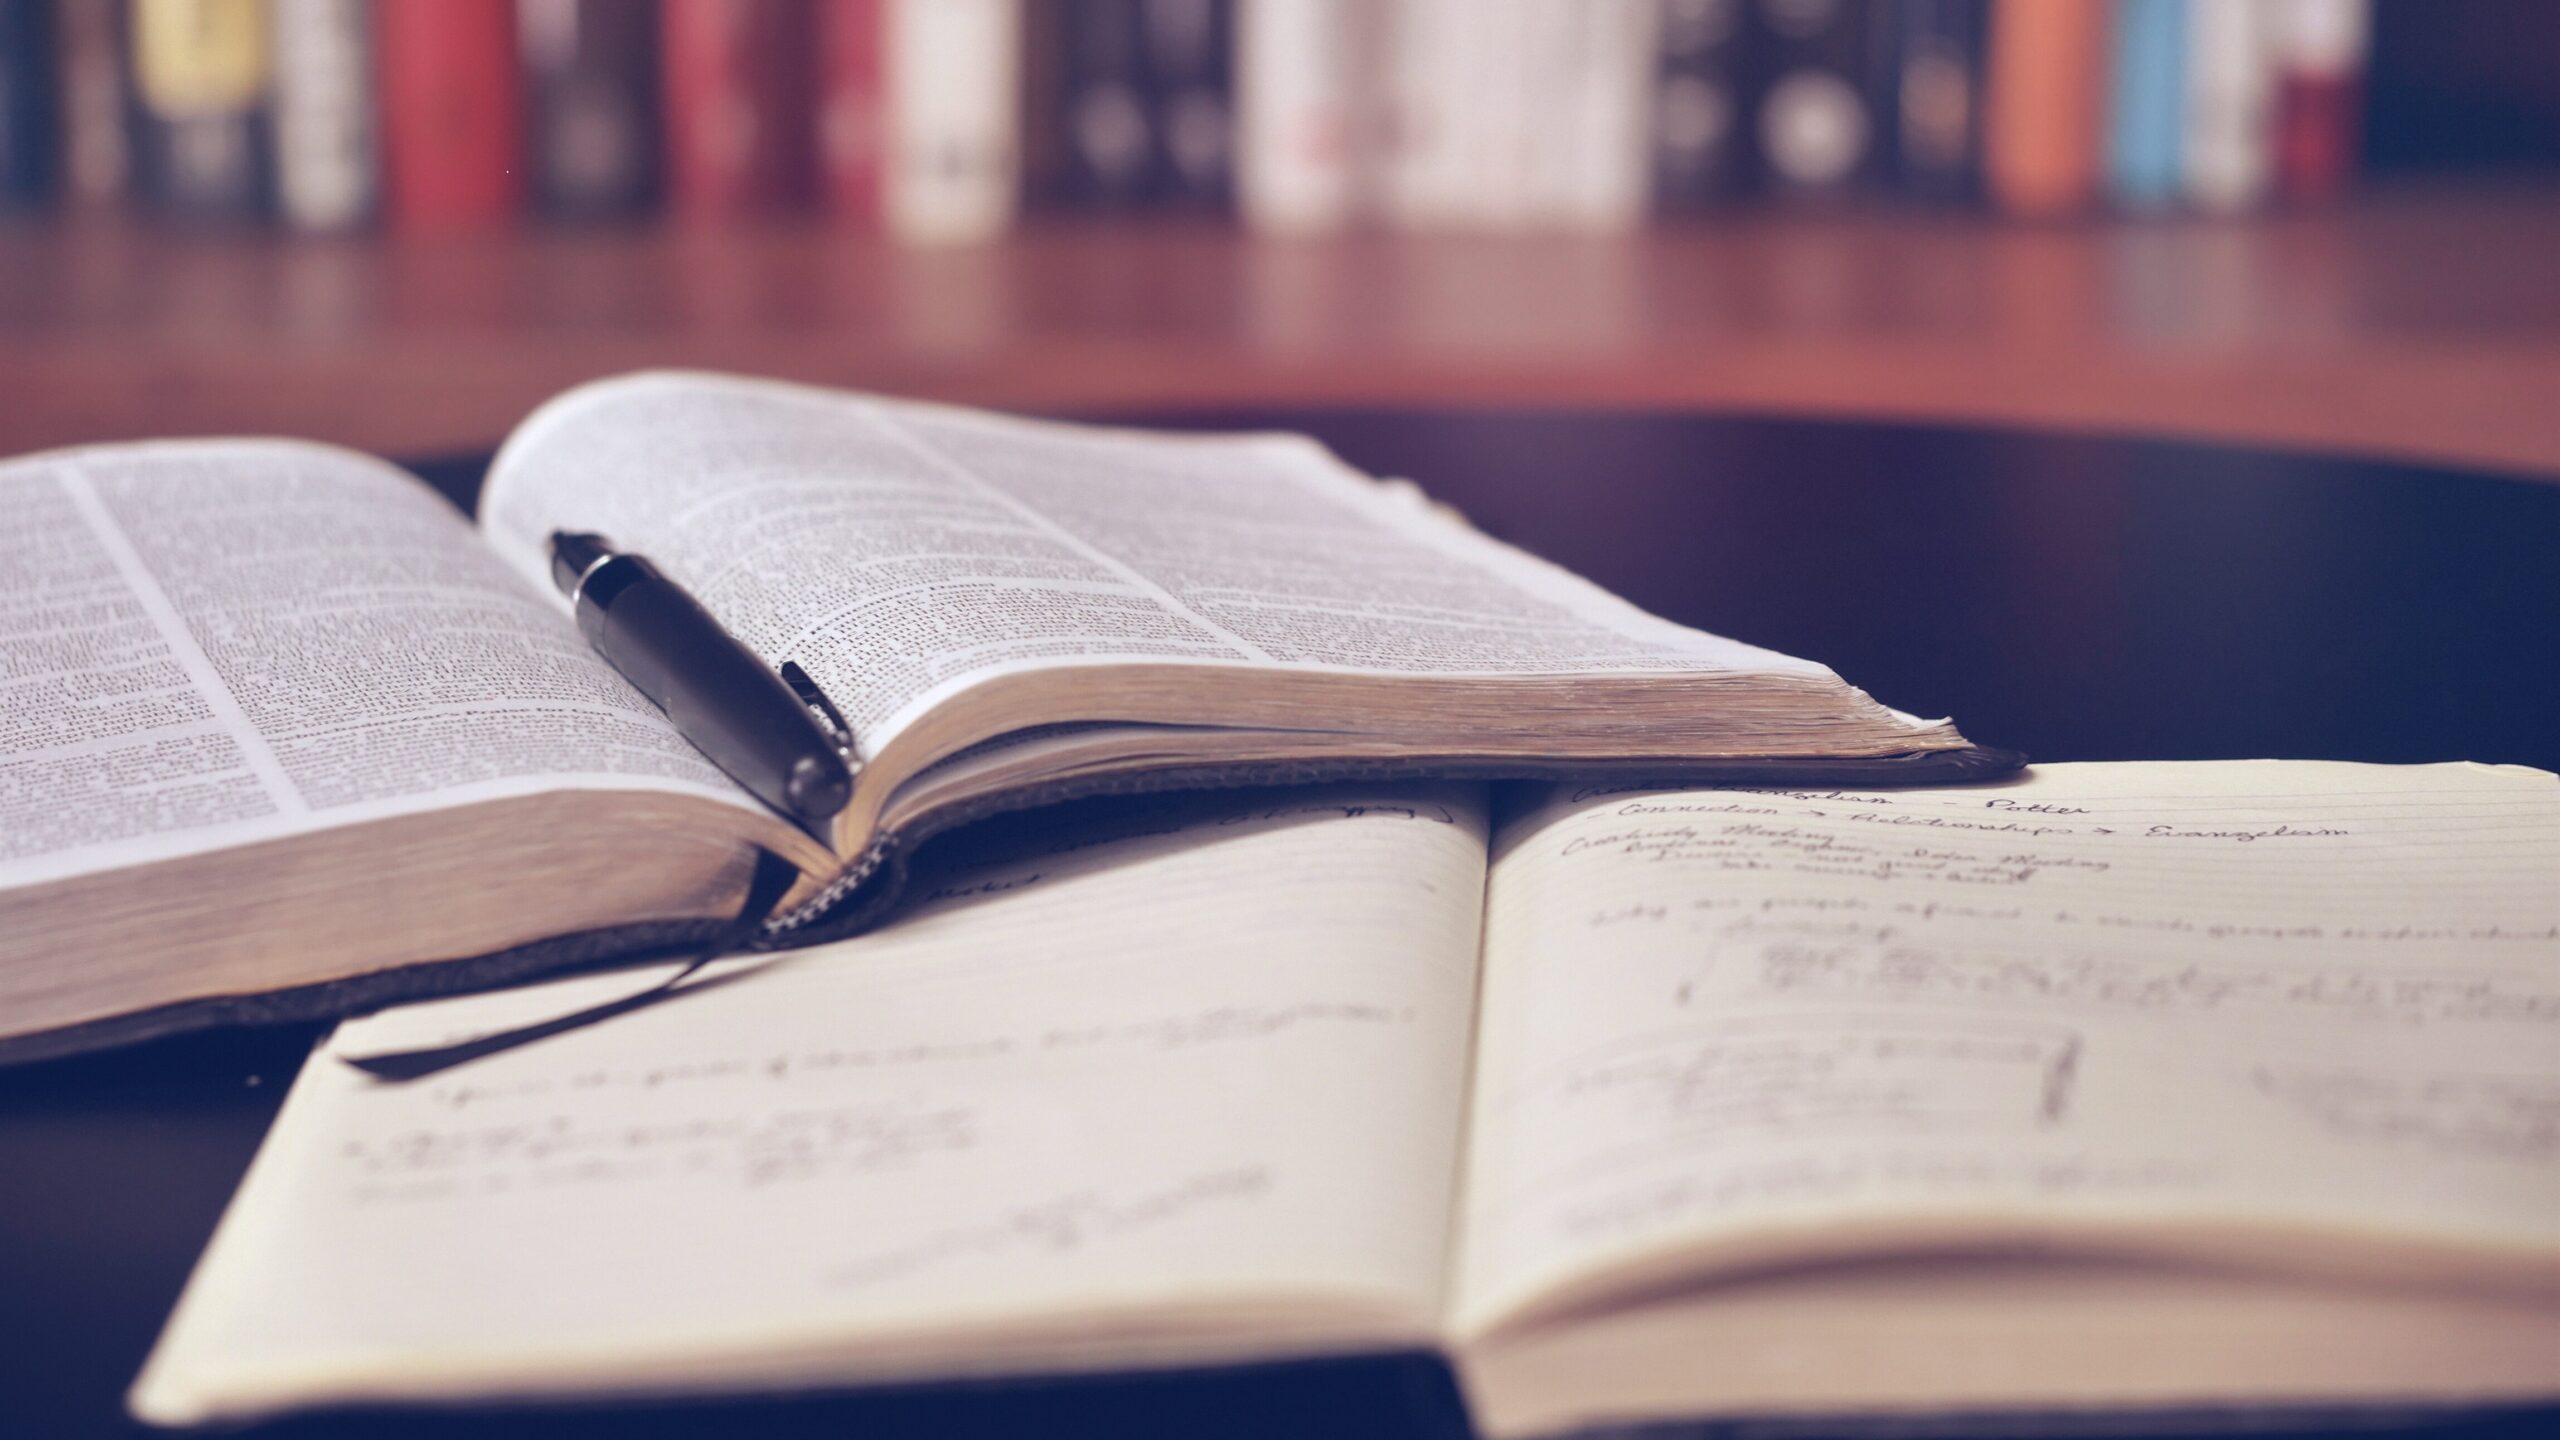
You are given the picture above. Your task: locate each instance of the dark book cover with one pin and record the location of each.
(200, 73)
(1138, 99)
(741, 88)
(1188, 49)
(1928, 97)
(28, 147)
(93, 88)
(1106, 117)
(1814, 121)
(1701, 157)
(453, 127)
(591, 97)
(1046, 142)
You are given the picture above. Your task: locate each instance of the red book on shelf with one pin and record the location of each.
(2320, 57)
(852, 111)
(452, 121)
(2316, 134)
(740, 77)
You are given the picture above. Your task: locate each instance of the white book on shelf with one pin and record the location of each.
(1501, 105)
(2230, 103)
(325, 166)
(2323, 37)
(1432, 53)
(1301, 108)
(955, 117)
(1593, 128)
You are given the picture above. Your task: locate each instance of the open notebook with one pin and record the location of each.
(2110, 1087)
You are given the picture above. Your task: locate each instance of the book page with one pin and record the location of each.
(2263, 1012)
(1181, 1083)
(900, 551)
(215, 642)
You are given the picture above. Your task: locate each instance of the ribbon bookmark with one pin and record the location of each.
(772, 880)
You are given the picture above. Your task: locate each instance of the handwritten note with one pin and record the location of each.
(1212, 1052)
(2301, 994)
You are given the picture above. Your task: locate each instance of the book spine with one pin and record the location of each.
(200, 73)
(1594, 154)
(1109, 123)
(954, 70)
(590, 75)
(1550, 57)
(1299, 114)
(2229, 119)
(1187, 54)
(1497, 109)
(1429, 50)
(1046, 148)
(97, 153)
(28, 148)
(2046, 94)
(452, 122)
(740, 79)
(853, 108)
(327, 172)
(1934, 106)
(2145, 129)
(1699, 151)
(2320, 54)
(1817, 132)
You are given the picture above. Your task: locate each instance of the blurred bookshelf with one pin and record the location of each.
(401, 224)
(2420, 321)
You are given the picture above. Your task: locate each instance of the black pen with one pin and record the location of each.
(734, 709)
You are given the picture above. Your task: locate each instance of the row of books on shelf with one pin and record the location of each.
(941, 120)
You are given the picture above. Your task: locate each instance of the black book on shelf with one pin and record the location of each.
(1188, 50)
(1105, 124)
(1045, 143)
(1138, 95)
(1701, 156)
(27, 142)
(1813, 118)
(591, 69)
(1928, 96)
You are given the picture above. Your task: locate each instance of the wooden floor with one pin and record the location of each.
(2417, 324)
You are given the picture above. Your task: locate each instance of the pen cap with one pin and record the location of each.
(573, 554)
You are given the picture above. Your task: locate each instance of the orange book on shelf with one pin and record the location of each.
(2046, 105)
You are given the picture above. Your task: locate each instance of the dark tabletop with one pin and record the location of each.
(2076, 598)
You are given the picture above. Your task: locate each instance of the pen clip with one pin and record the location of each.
(824, 709)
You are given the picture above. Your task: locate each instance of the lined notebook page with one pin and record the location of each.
(2269, 1011)
(1133, 1097)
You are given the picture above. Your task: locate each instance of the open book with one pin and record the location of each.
(2113, 1086)
(280, 727)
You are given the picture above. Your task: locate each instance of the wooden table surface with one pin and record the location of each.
(2421, 324)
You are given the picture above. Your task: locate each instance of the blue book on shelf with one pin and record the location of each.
(2144, 122)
